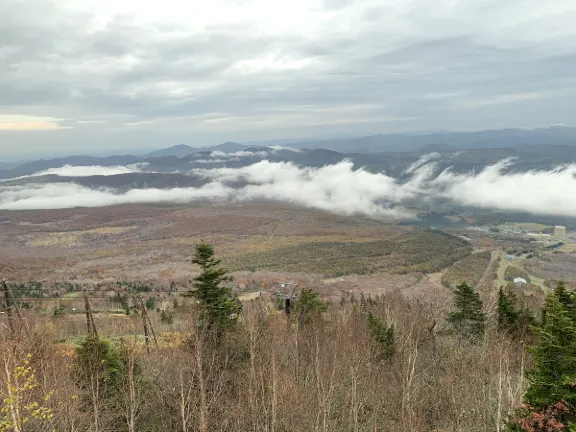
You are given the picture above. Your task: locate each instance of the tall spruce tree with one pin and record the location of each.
(564, 297)
(567, 299)
(506, 312)
(553, 378)
(218, 308)
(511, 319)
(383, 334)
(468, 317)
(309, 306)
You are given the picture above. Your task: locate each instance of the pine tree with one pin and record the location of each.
(383, 334)
(309, 306)
(553, 378)
(516, 322)
(563, 296)
(218, 308)
(506, 312)
(468, 317)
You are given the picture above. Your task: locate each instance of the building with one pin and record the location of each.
(559, 232)
(520, 281)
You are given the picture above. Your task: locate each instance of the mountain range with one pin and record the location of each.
(532, 149)
(182, 150)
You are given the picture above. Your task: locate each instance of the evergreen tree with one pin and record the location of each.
(506, 312)
(467, 316)
(567, 299)
(218, 308)
(553, 378)
(563, 296)
(383, 334)
(512, 320)
(309, 306)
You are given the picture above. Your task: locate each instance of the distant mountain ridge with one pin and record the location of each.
(533, 149)
(8, 165)
(183, 150)
(558, 135)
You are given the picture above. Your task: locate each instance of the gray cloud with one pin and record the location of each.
(333, 67)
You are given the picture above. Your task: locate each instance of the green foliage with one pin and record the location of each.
(420, 251)
(554, 374)
(467, 318)
(218, 308)
(30, 289)
(123, 301)
(135, 286)
(564, 297)
(150, 303)
(383, 334)
(513, 272)
(470, 269)
(60, 310)
(506, 312)
(512, 320)
(166, 317)
(20, 406)
(99, 361)
(309, 307)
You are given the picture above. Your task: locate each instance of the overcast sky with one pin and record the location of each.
(91, 75)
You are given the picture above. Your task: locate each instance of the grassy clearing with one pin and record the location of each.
(421, 251)
(469, 269)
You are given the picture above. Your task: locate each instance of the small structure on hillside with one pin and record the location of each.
(510, 257)
(286, 292)
(559, 232)
(520, 281)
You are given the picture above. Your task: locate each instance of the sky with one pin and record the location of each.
(87, 76)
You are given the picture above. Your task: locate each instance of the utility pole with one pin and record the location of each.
(89, 318)
(9, 307)
(145, 324)
(148, 327)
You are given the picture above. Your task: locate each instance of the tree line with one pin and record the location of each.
(378, 364)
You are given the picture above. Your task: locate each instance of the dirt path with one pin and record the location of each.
(274, 230)
(250, 296)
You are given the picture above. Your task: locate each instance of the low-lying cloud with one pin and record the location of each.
(336, 188)
(84, 171)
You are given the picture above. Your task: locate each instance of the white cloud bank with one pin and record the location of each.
(84, 171)
(336, 188)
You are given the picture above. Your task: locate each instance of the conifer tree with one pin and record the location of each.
(563, 296)
(512, 320)
(218, 308)
(309, 306)
(506, 312)
(467, 317)
(553, 378)
(383, 334)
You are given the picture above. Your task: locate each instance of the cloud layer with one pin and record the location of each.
(335, 188)
(91, 74)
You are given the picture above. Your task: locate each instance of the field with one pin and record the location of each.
(156, 242)
(408, 253)
(470, 269)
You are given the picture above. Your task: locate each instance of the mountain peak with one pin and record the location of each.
(179, 150)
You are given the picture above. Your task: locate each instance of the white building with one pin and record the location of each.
(520, 281)
(559, 232)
